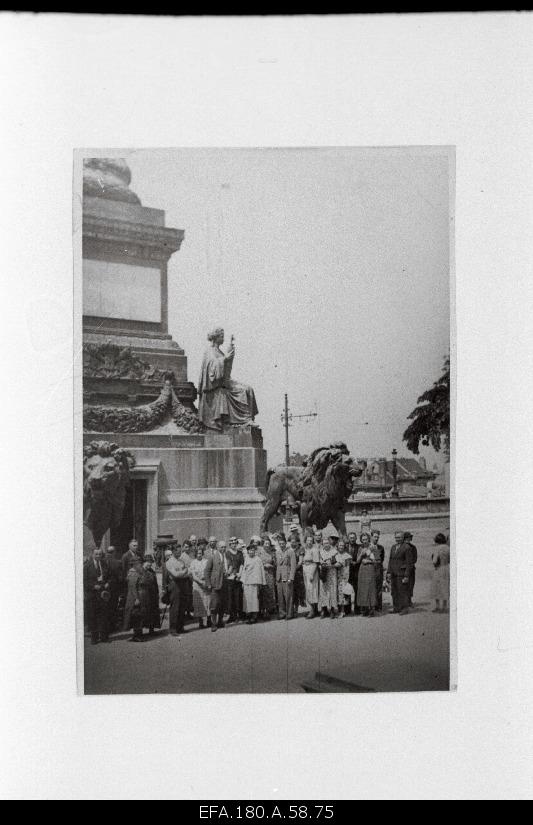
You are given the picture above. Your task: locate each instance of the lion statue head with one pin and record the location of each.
(319, 489)
(327, 483)
(106, 475)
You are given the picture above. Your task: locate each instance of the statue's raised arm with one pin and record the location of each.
(222, 400)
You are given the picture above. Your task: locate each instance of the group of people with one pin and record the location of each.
(218, 583)
(129, 581)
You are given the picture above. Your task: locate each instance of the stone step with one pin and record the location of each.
(331, 684)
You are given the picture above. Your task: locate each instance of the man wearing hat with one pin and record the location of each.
(412, 575)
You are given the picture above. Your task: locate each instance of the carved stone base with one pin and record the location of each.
(207, 484)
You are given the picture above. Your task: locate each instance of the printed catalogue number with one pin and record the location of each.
(273, 811)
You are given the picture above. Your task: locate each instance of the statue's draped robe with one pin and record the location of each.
(223, 400)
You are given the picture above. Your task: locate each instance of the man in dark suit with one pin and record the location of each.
(214, 580)
(398, 572)
(116, 582)
(285, 573)
(412, 576)
(96, 592)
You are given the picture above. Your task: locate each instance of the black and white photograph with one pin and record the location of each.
(266, 420)
(266, 414)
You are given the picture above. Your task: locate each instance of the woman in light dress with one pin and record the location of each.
(366, 582)
(252, 577)
(440, 585)
(311, 559)
(344, 588)
(327, 598)
(200, 594)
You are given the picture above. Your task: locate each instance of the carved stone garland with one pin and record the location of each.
(103, 419)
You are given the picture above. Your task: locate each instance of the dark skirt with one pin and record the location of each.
(366, 586)
(267, 592)
(299, 599)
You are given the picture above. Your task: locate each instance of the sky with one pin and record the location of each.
(331, 268)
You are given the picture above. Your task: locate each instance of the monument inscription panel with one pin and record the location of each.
(120, 290)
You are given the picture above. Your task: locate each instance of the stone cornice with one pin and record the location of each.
(156, 241)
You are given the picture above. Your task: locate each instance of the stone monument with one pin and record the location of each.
(186, 477)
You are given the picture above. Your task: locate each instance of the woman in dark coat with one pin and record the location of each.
(298, 590)
(142, 599)
(149, 583)
(135, 595)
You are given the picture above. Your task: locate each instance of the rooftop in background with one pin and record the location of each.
(379, 473)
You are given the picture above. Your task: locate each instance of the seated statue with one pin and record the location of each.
(222, 400)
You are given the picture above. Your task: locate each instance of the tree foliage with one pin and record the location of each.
(431, 418)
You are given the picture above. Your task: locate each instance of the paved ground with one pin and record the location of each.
(389, 652)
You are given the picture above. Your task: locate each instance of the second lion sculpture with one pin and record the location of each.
(319, 489)
(106, 474)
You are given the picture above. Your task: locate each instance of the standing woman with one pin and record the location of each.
(149, 583)
(327, 599)
(252, 578)
(200, 596)
(267, 593)
(366, 522)
(379, 554)
(440, 586)
(366, 582)
(344, 588)
(135, 607)
(187, 556)
(310, 562)
(298, 593)
(233, 560)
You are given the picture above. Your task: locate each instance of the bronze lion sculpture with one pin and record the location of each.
(319, 490)
(106, 475)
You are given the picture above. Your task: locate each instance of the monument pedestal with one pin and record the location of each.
(206, 484)
(135, 387)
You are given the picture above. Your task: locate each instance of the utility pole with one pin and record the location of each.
(286, 425)
(286, 418)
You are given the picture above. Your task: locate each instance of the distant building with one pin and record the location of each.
(413, 477)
